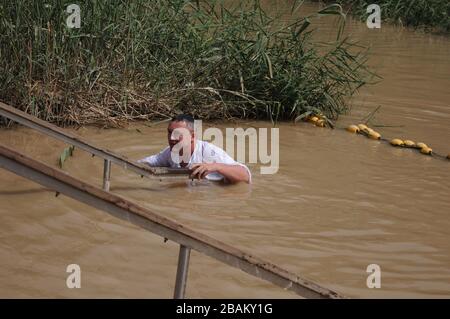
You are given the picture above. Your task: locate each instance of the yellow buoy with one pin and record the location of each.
(409, 143)
(353, 129)
(320, 123)
(362, 127)
(426, 150)
(421, 145)
(374, 135)
(313, 119)
(396, 142)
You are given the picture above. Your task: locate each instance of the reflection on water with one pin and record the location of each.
(338, 203)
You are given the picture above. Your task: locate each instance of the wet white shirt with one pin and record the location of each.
(204, 152)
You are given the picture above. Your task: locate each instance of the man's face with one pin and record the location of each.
(179, 132)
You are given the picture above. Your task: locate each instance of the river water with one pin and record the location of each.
(338, 203)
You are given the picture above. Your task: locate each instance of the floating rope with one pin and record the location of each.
(321, 121)
(396, 142)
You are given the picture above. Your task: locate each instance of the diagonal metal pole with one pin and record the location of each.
(124, 209)
(77, 141)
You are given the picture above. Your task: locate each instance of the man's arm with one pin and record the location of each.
(233, 173)
(160, 159)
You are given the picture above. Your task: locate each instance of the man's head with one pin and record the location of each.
(181, 129)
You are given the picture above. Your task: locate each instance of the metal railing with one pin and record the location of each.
(187, 238)
(117, 206)
(73, 139)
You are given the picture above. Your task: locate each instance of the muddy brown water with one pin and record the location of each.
(338, 203)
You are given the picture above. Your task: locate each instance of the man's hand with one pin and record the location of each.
(232, 173)
(202, 169)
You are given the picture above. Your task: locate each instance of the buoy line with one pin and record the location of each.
(321, 121)
(396, 142)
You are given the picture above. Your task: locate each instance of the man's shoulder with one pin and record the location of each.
(211, 149)
(166, 150)
(164, 153)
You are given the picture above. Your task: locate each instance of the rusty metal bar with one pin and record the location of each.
(106, 175)
(162, 226)
(73, 139)
(182, 272)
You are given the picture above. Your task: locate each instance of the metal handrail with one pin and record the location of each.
(73, 139)
(188, 239)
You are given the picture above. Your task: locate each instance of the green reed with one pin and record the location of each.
(138, 59)
(431, 15)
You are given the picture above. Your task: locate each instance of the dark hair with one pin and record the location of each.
(183, 118)
(189, 120)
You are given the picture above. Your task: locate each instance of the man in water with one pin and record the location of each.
(204, 159)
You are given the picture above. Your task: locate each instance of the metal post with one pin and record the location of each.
(106, 174)
(182, 272)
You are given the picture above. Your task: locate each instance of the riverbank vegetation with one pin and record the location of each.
(431, 15)
(145, 60)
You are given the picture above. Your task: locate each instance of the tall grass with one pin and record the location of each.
(431, 15)
(138, 59)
